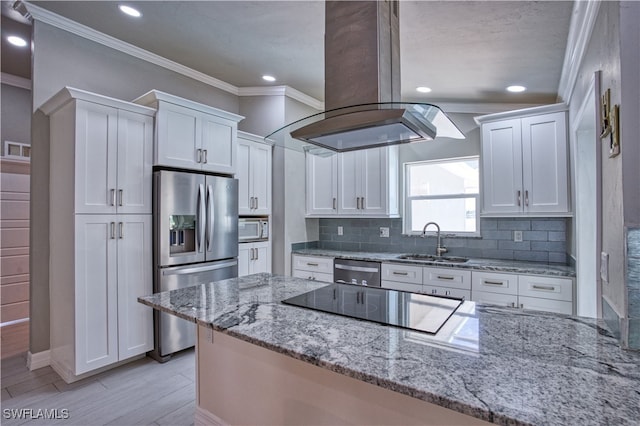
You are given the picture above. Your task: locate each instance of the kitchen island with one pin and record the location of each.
(262, 361)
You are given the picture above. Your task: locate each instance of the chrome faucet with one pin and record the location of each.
(439, 249)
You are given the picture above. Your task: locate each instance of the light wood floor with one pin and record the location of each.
(142, 392)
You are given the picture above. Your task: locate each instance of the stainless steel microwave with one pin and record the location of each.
(253, 229)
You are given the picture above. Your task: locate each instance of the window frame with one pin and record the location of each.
(407, 216)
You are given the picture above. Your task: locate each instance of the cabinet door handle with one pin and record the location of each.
(519, 203)
(113, 230)
(362, 203)
(198, 155)
(434, 291)
(257, 203)
(400, 273)
(113, 197)
(121, 230)
(357, 203)
(513, 304)
(120, 192)
(205, 156)
(257, 254)
(526, 197)
(312, 264)
(447, 293)
(445, 277)
(492, 282)
(250, 203)
(543, 287)
(334, 203)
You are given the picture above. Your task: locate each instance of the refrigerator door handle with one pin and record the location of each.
(196, 269)
(210, 216)
(199, 218)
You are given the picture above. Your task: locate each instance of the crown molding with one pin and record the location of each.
(14, 80)
(480, 107)
(39, 14)
(583, 20)
(282, 91)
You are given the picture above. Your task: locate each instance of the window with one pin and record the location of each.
(445, 192)
(17, 151)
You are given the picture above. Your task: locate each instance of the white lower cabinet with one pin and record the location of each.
(318, 268)
(500, 299)
(313, 276)
(254, 258)
(96, 279)
(534, 292)
(427, 280)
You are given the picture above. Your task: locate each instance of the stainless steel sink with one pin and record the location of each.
(432, 258)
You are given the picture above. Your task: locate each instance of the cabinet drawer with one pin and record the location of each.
(402, 273)
(444, 291)
(394, 285)
(548, 305)
(447, 277)
(495, 283)
(309, 263)
(546, 287)
(312, 275)
(500, 299)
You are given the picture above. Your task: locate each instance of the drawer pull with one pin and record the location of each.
(445, 277)
(492, 282)
(543, 287)
(400, 273)
(312, 264)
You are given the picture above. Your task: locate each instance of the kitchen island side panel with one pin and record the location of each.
(232, 376)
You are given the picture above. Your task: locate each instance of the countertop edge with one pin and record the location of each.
(477, 264)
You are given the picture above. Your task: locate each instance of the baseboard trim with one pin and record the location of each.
(204, 417)
(38, 360)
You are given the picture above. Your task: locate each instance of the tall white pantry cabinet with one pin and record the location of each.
(100, 231)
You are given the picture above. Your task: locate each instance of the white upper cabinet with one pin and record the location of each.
(322, 185)
(108, 146)
(190, 135)
(365, 183)
(524, 162)
(254, 175)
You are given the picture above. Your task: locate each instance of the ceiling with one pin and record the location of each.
(465, 51)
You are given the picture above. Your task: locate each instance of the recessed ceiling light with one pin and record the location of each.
(516, 89)
(17, 41)
(268, 78)
(423, 89)
(130, 11)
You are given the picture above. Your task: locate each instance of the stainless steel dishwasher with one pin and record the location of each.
(356, 272)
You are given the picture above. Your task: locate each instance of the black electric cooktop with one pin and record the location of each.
(419, 312)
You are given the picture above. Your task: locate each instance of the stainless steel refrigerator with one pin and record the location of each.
(196, 242)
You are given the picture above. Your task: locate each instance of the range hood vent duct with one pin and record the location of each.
(362, 84)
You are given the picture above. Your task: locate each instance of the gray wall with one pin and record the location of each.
(614, 50)
(291, 192)
(62, 59)
(264, 114)
(16, 115)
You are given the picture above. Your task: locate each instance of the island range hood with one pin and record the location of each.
(362, 84)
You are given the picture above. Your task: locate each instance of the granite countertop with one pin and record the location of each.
(504, 365)
(496, 265)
